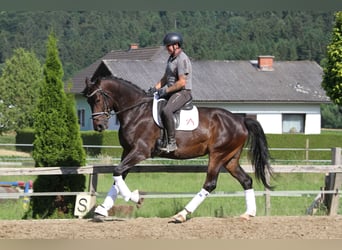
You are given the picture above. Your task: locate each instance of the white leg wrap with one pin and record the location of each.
(250, 202)
(197, 200)
(123, 188)
(183, 213)
(111, 197)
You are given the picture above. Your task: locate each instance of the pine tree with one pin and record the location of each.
(57, 140)
(332, 79)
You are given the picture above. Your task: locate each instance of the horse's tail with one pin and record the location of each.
(258, 151)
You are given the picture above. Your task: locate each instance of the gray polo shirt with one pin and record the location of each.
(179, 65)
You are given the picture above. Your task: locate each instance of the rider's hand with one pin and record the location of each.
(162, 92)
(151, 91)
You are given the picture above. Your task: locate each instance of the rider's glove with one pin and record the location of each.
(151, 91)
(162, 92)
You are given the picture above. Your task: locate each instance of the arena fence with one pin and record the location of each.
(87, 200)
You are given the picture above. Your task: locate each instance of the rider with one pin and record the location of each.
(175, 86)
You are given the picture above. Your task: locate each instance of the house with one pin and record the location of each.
(284, 96)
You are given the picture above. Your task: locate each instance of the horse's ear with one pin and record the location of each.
(87, 81)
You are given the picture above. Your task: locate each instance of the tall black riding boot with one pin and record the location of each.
(170, 132)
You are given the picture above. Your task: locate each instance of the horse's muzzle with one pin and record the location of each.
(100, 121)
(100, 126)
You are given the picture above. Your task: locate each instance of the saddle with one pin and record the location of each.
(185, 119)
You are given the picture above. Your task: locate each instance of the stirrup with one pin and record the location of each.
(171, 146)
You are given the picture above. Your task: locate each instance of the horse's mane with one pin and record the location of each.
(121, 80)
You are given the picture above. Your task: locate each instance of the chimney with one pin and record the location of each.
(134, 46)
(265, 63)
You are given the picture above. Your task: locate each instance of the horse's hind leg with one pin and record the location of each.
(234, 168)
(208, 187)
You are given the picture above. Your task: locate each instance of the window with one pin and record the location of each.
(81, 117)
(293, 123)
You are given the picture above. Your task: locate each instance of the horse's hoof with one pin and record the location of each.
(136, 197)
(246, 216)
(178, 218)
(140, 202)
(101, 211)
(99, 218)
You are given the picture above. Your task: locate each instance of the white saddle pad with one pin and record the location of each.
(188, 119)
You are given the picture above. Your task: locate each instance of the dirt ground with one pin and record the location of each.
(272, 227)
(263, 227)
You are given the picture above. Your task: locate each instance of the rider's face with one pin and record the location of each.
(172, 48)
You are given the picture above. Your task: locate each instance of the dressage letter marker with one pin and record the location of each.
(84, 203)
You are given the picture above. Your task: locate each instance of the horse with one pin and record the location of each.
(220, 134)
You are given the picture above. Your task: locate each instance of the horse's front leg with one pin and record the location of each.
(119, 186)
(132, 158)
(208, 187)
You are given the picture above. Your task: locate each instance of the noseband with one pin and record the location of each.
(106, 107)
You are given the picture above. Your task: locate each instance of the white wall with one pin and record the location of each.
(313, 124)
(271, 123)
(270, 114)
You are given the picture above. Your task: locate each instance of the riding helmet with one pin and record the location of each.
(173, 38)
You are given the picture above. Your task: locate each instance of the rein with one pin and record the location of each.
(133, 106)
(108, 110)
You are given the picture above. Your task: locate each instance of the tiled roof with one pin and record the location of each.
(213, 81)
(151, 53)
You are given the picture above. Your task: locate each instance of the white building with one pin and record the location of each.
(284, 96)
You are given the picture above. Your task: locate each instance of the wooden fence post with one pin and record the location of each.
(93, 183)
(267, 196)
(333, 181)
(307, 146)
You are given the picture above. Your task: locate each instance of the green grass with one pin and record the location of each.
(214, 206)
(331, 131)
(8, 138)
(192, 183)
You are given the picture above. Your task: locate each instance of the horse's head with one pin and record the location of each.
(100, 103)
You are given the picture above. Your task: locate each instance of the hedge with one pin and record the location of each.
(106, 138)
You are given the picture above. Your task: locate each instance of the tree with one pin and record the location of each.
(330, 116)
(20, 80)
(85, 36)
(332, 78)
(57, 140)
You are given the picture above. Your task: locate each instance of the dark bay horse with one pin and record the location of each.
(220, 134)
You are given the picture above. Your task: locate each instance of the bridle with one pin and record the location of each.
(107, 110)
